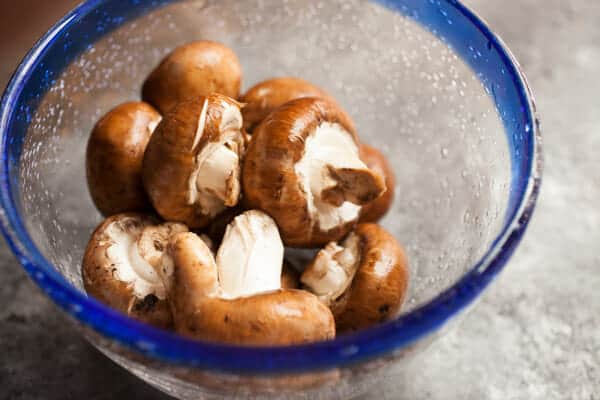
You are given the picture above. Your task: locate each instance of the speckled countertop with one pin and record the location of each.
(536, 332)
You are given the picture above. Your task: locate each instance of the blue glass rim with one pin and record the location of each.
(434, 15)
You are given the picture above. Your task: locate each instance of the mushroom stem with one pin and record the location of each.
(333, 268)
(356, 185)
(194, 272)
(250, 258)
(218, 173)
(154, 239)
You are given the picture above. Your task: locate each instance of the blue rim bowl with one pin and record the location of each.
(449, 20)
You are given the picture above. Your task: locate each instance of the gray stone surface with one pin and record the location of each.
(535, 333)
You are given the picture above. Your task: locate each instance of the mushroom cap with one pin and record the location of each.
(268, 95)
(280, 317)
(193, 70)
(380, 282)
(374, 211)
(100, 277)
(270, 181)
(114, 155)
(171, 156)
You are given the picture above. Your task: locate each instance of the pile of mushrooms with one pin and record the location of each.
(203, 189)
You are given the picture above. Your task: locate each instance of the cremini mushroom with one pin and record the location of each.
(191, 168)
(303, 168)
(193, 70)
(375, 210)
(237, 298)
(363, 279)
(114, 156)
(268, 95)
(119, 266)
(290, 279)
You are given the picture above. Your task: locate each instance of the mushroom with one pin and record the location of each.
(191, 168)
(114, 156)
(268, 95)
(302, 167)
(363, 279)
(119, 266)
(375, 160)
(237, 298)
(290, 279)
(193, 70)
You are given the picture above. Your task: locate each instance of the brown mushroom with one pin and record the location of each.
(193, 70)
(375, 210)
(363, 280)
(119, 266)
(247, 312)
(268, 95)
(191, 168)
(114, 156)
(302, 167)
(290, 279)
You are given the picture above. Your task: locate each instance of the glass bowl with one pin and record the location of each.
(426, 82)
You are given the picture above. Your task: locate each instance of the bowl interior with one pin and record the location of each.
(409, 94)
(425, 81)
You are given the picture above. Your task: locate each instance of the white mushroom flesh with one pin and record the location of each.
(330, 145)
(332, 270)
(153, 240)
(250, 258)
(129, 266)
(201, 124)
(214, 183)
(153, 124)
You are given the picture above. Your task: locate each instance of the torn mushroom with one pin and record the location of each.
(114, 155)
(193, 70)
(119, 266)
(375, 210)
(303, 168)
(268, 95)
(237, 299)
(363, 279)
(191, 168)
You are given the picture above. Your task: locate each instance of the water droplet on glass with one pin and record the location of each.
(467, 217)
